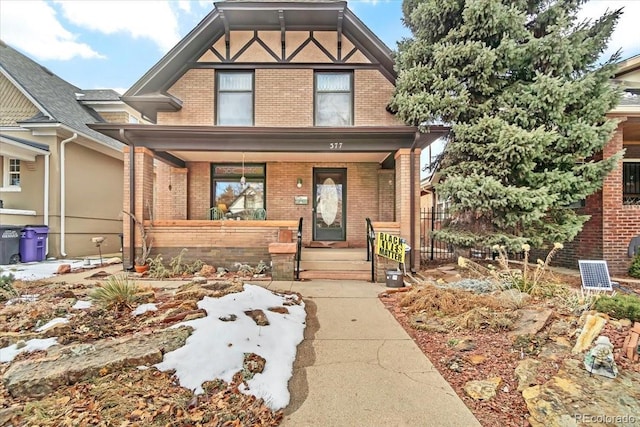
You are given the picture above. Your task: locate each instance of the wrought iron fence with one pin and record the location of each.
(432, 249)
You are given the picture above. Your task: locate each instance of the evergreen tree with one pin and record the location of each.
(518, 82)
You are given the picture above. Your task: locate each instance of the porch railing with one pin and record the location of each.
(371, 237)
(299, 249)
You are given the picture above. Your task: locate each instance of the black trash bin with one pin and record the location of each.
(9, 244)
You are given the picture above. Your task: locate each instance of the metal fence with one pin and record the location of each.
(432, 249)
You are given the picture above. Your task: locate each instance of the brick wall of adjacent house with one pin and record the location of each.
(612, 225)
(283, 97)
(115, 116)
(620, 222)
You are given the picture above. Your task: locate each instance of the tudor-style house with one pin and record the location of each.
(270, 116)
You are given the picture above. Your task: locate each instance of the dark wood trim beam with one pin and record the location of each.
(300, 48)
(170, 159)
(216, 53)
(340, 20)
(324, 50)
(227, 35)
(267, 48)
(350, 54)
(281, 65)
(283, 32)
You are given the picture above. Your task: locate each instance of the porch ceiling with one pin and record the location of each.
(183, 143)
(259, 157)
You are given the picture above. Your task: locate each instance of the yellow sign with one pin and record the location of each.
(391, 247)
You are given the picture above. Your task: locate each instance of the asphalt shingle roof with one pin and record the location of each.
(26, 142)
(55, 95)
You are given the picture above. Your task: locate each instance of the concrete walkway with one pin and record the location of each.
(358, 367)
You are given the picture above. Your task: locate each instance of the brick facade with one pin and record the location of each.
(612, 225)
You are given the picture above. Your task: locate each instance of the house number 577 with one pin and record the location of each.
(335, 145)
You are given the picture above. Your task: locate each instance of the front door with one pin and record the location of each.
(330, 204)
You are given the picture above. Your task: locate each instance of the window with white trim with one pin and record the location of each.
(11, 175)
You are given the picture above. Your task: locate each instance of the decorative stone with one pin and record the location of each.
(207, 270)
(482, 389)
(526, 373)
(465, 344)
(63, 269)
(228, 318)
(592, 327)
(530, 322)
(281, 310)
(258, 316)
(199, 280)
(111, 261)
(477, 359)
(599, 360)
(574, 391)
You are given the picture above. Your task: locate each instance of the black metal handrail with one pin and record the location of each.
(299, 249)
(371, 237)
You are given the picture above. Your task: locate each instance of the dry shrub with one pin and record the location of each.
(445, 301)
(484, 318)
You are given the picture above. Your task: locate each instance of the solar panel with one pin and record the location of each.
(595, 275)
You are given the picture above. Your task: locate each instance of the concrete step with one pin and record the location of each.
(334, 254)
(335, 275)
(339, 265)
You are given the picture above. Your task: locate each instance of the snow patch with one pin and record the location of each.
(7, 354)
(143, 308)
(51, 323)
(216, 348)
(81, 305)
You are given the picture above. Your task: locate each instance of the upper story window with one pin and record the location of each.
(631, 183)
(234, 98)
(11, 174)
(333, 98)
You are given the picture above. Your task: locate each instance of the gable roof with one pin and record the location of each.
(149, 94)
(54, 97)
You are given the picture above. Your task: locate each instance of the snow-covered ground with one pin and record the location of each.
(216, 348)
(42, 269)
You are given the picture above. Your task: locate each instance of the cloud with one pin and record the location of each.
(33, 27)
(625, 36)
(153, 20)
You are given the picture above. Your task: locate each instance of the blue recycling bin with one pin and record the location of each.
(33, 243)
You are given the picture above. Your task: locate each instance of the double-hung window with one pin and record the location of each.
(631, 183)
(333, 98)
(11, 174)
(234, 98)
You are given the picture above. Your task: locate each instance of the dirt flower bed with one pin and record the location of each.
(469, 337)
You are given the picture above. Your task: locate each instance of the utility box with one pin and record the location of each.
(33, 243)
(395, 279)
(9, 244)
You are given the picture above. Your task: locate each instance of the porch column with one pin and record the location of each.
(143, 197)
(171, 192)
(403, 200)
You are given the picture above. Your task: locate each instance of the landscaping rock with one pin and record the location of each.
(465, 344)
(530, 322)
(559, 328)
(71, 364)
(482, 389)
(112, 261)
(207, 270)
(258, 316)
(63, 269)
(477, 359)
(199, 280)
(513, 298)
(592, 327)
(251, 365)
(6, 414)
(281, 310)
(573, 393)
(526, 373)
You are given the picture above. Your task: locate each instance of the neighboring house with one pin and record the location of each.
(615, 210)
(297, 89)
(54, 169)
